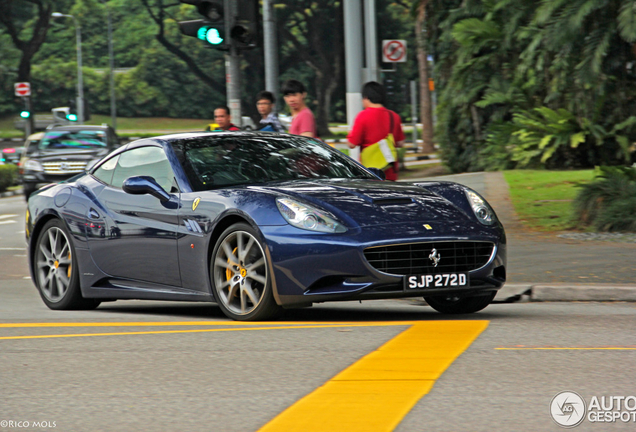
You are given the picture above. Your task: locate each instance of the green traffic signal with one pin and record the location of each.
(25, 114)
(210, 35)
(71, 117)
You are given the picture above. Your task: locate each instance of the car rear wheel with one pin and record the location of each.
(458, 304)
(240, 276)
(56, 272)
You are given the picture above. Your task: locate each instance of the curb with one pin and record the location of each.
(8, 194)
(564, 292)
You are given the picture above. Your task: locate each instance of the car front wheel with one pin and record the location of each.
(459, 304)
(56, 272)
(240, 276)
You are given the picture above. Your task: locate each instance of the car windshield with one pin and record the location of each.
(76, 139)
(214, 161)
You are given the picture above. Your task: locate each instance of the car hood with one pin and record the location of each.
(54, 155)
(368, 202)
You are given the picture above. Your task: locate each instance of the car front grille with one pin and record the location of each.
(64, 167)
(413, 258)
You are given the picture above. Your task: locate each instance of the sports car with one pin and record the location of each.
(258, 222)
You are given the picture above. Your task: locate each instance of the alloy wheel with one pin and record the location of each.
(54, 264)
(240, 273)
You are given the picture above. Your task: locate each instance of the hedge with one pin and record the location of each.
(8, 176)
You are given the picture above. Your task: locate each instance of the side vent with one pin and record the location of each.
(192, 225)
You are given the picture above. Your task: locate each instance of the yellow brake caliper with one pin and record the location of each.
(70, 265)
(229, 273)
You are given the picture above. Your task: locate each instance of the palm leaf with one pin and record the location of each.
(627, 21)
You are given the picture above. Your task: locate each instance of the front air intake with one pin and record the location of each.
(414, 258)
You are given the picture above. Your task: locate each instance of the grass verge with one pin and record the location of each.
(543, 199)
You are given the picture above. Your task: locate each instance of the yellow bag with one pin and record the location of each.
(381, 154)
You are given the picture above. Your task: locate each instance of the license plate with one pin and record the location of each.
(442, 280)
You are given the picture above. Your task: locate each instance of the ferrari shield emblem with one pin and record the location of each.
(195, 203)
(428, 227)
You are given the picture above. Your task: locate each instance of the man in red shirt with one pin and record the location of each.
(223, 118)
(374, 124)
(303, 122)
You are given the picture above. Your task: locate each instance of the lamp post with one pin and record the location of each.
(80, 83)
(111, 61)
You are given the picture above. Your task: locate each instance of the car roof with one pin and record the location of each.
(35, 136)
(198, 134)
(79, 127)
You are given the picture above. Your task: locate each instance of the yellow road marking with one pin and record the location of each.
(178, 331)
(204, 323)
(376, 392)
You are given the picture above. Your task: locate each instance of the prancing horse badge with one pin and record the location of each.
(435, 257)
(195, 203)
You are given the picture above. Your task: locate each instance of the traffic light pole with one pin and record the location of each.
(270, 48)
(233, 70)
(29, 124)
(353, 55)
(232, 66)
(80, 81)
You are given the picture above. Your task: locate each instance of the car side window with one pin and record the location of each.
(144, 161)
(105, 171)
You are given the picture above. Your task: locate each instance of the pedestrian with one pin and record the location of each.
(374, 124)
(269, 118)
(223, 119)
(303, 122)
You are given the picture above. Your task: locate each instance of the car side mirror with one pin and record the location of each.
(141, 185)
(378, 172)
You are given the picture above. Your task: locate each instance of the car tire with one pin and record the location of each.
(455, 305)
(55, 269)
(248, 128)
(240, 276)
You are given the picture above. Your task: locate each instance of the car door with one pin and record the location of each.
(136, 235)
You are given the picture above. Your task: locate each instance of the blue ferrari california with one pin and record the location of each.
(258, 222)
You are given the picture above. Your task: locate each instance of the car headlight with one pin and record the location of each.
(307, 217)
(481, 209)
(33, 165)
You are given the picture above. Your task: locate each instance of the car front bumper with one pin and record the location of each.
(312, 267)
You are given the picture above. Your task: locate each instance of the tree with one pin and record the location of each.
(502, 64)
(426, 112)
(27, 33)
(162, 17)
(312, 31)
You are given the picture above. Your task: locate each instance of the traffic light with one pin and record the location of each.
(205, 31)
(211, 29)
(245, 30)
(25, 114)
(71, 114)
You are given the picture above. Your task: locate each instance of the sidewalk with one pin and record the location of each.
(544, 267)
(11, 193)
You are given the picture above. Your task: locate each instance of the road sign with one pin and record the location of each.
(393, 51)
(22, 89)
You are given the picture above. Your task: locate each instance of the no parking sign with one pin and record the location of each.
(393, 51)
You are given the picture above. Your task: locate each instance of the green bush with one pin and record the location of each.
(609, 202)
(8, 176)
